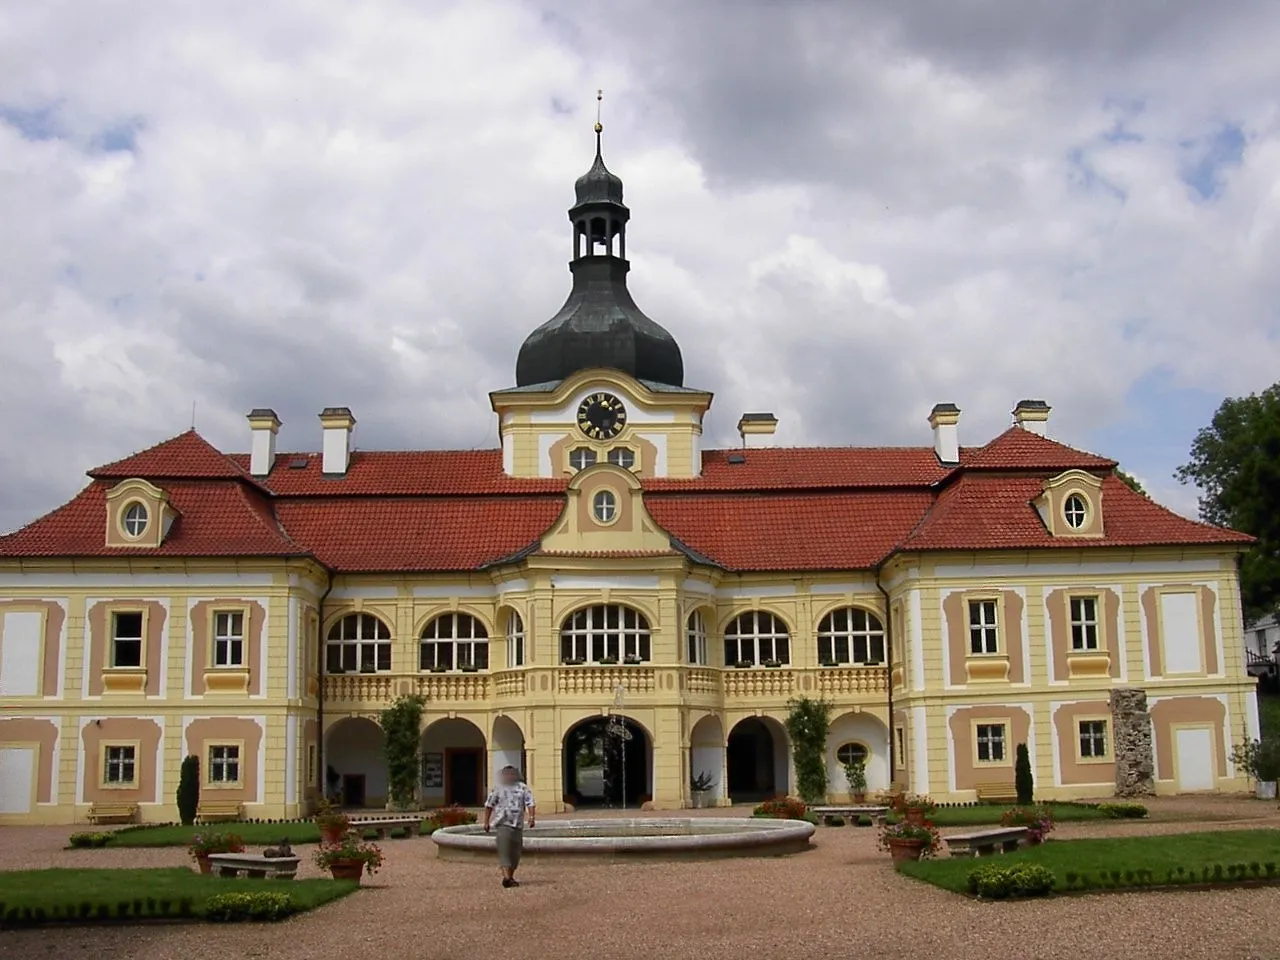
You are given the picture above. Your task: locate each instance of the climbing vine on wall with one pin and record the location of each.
(808, 724)
(402, 728)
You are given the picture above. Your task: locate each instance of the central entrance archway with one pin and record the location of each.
(756, 758)
(606, 763)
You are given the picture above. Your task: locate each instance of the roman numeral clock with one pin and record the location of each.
(601, 416)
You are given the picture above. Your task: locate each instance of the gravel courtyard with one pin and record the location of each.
(842, 899)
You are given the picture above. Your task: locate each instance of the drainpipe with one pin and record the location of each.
(320, 765)
(888, 657)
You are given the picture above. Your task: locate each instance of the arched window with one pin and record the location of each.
(696, 630)
(515, 640)
(756, 638)
(852, 752)
(851, 635)
(358, 643)
(605, 634)
(454, 641)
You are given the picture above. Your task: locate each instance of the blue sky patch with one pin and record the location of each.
(40, 124)
(1208, 156)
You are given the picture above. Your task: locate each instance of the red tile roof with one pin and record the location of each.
(833, 508)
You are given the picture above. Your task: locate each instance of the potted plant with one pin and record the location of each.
(203, 844)
(855, 772)
(774, 664)
(1260, 761)
(1038, 820)
(333, 823)
(701, 787)
(608, 661)
(909, 841)
(349, 858)
(631, 658)
(916, 808)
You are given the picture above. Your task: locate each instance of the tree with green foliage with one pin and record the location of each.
(1130, 481)
(402, 730)
(808, 723)
(1235, 463)
(188, 790)
(1022, 779)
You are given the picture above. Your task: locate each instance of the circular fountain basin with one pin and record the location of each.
(651, 838)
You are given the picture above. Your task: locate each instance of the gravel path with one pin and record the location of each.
(840, 899)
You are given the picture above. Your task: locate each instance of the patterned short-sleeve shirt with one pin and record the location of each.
(508, 804)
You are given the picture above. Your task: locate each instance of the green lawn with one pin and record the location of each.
(253, 834)
(68, 889)
(1099, 858)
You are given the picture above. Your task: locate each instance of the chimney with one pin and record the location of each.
(756, 424)
(337, 423)
(263, 426)
(1032, 416)
(945, 420)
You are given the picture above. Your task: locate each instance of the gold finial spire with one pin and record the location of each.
(599, 125)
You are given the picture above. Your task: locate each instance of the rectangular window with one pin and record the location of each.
(126, 639)
(984, 634)
(515, 647)
(991, 743)
(118, 766)
(900, 741)
(739, 650)
(311, 763)
(228, 639)
(1084, 623)
(1093, 739)
(698, 646)
(224, 764)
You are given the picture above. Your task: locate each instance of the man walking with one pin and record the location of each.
(505, 810)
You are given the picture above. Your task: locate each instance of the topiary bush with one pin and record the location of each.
(1022, 779)
(90, 840)
(253, 905)
(999, 882)
(1123, 811)
(189, 790)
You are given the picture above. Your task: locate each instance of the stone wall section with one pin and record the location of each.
(1131, 736)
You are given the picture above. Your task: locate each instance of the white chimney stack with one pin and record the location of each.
(945, 420)
(263, 426)
(1032, 416)
(337, 423)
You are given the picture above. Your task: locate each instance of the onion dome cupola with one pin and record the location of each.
(599, 324)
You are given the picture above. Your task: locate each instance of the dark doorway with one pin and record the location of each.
(353, 790)
(462, 768)
(750, 759)
(606, 763)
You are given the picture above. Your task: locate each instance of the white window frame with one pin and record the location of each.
(756, 637)
(995, 738)
(696, 637)
(986, 630)
(1085, 634)
(135, 519)
(1075, 508)
(857, 640)
(228, 638)
(856, 746)
(224, 763)
(582, 457)
(454, 641)
(515, 640)
(623, 457)
(362, 642)
(120, 760)
(1094, 738)
(604, 506)
(117, 637)
(603, 631)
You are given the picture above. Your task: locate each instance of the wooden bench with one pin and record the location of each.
(384, 825)
(219, 811)
(982, 843)
(253, 865)
(830, 814)
(997, 792)
(113, 812)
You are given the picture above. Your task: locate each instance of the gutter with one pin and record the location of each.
(322, 655)
(888, 656)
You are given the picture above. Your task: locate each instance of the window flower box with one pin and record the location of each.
(631, 658)
(828, 663)
(439, 669)
(469, 668)
(743, 664)
(608, 661)
(773, 664)
(572, 662)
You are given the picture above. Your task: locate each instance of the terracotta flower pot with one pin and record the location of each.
(905, 849)
(333, 833)
(347, 869)
(915, 816)
(202, 861)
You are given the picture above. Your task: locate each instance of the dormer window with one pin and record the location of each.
(623, 457)
(604, 506)
(582, 457)
(135, 520)
(1075, 511)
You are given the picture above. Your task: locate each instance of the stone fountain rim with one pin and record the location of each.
(747, 833)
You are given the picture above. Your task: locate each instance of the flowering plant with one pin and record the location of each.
(348, 850)
(450, 816)
(1038, 820)
(781, 808)
(927, 834)
(329, 817)
(203, 844)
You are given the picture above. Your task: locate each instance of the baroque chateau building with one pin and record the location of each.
(611, 606)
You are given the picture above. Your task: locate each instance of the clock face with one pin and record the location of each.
(601, 416)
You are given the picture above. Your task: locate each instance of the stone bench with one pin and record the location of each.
(830, 814)
(997, 792)
(113, 812)
(384, 825)
(981, 843)
(219, 811)
(253, 865)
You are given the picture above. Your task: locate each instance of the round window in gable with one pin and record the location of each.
(852, 752)
(1076, 511)
(604, 506)
(135, 520)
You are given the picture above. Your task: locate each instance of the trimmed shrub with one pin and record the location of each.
(1123, 811)
(189, 790)
(91, 840)
(254, 905)
(782, 808)
(999, 882)
(450, 816)
(1022, 779)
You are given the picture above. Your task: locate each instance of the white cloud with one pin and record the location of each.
(843, 219)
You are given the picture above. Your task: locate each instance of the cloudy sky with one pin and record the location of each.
(845, 211)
